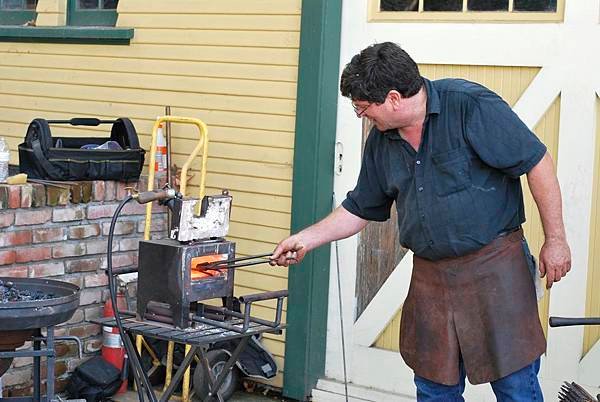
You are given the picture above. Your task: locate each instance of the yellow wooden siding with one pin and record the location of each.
(510, 83)
(591, 333)
(231, 64)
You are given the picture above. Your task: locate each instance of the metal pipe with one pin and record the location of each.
(185, 390)
(247, 308)
(124, 270)
(50, 364)
(263, 296)
(233, 263)
(564, 322)
(169, 174)
(36, 370)
(219, 324)
(279, 311)
(169, 366)
(216, 384)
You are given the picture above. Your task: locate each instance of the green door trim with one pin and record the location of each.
(308, 282)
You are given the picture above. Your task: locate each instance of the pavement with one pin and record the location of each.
(240, 396)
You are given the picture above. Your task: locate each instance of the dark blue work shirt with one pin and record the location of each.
(462, 188)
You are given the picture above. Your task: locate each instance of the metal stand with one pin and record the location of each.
(199, 338)
(37, 353)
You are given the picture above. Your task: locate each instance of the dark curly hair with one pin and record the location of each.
(377, 70)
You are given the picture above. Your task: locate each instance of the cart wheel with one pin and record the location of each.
(216, 360)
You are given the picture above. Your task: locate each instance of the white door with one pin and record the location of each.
(568, 55)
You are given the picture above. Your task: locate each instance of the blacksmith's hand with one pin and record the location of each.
(555, 260)
(288, 251)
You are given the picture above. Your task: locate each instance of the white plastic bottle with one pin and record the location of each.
(160, 164)
(4, 158)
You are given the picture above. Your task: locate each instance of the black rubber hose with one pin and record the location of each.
(140, 378)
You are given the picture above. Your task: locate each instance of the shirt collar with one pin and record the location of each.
(432, 107)
(433, 97)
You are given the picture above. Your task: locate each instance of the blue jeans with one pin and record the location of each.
(520, 386)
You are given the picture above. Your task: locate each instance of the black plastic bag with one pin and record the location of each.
(95, 380)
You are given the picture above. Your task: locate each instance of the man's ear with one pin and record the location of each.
(395, 98)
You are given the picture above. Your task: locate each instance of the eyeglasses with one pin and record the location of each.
(360, 112)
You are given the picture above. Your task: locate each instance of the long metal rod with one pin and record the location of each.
(340, 304)
(50, 364)
(36, 369)
(568, 321)
(215, 385)
(25, 353)
(169, 162)
(210, 377)
(233, 263)
(246, 316)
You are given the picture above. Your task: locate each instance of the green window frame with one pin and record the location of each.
(90, 26)
(90, 17)
(16, 16)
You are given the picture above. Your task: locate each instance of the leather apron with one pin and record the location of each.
(480, 307)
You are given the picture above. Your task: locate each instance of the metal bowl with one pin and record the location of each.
(32, 314)
(19, 320)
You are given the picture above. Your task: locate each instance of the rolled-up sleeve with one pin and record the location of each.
(499, 137)
(368, 199)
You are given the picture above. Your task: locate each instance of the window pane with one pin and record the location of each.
(87, 4)
(442, 5)
(109, 4)
(399, 5)
(535, 5)
(487, 5)
(12, 4)
(30, 4)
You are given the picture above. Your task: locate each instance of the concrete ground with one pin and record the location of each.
(239, 396)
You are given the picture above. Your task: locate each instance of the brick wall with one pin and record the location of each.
(60, 232)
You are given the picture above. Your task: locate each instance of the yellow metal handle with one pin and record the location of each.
(201, 145)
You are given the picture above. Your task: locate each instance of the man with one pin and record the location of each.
(450, 153)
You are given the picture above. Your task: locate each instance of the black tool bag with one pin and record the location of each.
(42, 156)
(95, 380)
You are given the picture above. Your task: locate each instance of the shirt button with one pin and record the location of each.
(422, 216)
(420, 189)
(418, 162)
(430, 242)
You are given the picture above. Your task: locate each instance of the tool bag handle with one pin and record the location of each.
(39, 137)
(82, 121)
(43, 162)
(122, 129)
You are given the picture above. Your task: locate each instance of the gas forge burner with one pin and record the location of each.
(196, 264)
(171, 277)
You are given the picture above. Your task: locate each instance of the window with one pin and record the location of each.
(87, 21)
(92, 12)
(17, 12)
(471, 10)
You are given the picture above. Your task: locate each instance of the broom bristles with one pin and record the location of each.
(573, 392)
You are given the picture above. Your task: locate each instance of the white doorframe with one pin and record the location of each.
(569, 56)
